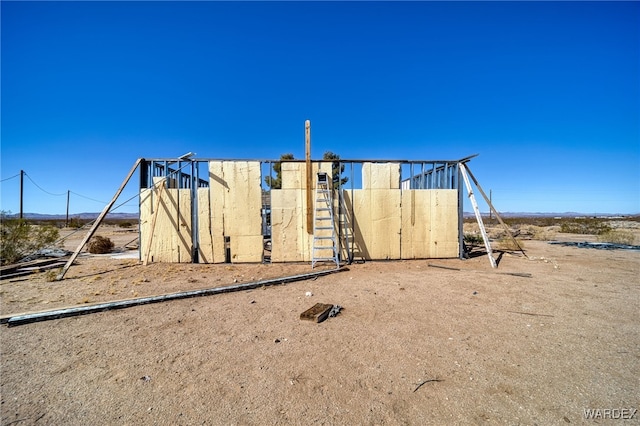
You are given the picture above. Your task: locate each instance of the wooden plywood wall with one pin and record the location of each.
(170, 239)
(291, 241)
(429, 223)
(235, 206)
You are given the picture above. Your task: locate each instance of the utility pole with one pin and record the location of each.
(490, 212)
(67, 220)
(21, 192)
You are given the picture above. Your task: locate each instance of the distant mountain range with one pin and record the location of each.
(83, 216)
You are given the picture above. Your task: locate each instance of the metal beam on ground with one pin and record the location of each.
(84, 310)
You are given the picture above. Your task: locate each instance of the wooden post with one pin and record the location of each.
(307, 144)
(98, 221)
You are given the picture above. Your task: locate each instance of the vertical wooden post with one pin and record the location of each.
(307, 144)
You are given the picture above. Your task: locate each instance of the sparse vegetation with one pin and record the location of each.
(100, 245)
(509, 244)
(617, 236)
(473, 239)
(593, 226)
(18, 238)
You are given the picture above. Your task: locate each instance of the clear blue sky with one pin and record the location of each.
(548, 93)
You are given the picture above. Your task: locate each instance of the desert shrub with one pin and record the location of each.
(75, 222)
(100, 245)
(543, 233)
(19, 239)
(125, 224)
(585, 226)
(473, 239)
(508, 244)
(617, 236)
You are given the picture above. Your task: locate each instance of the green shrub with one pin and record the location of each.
(19, 239)
(473, 239)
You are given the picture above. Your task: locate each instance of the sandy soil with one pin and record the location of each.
(487, 347)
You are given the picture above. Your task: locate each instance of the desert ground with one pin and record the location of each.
(413, 344)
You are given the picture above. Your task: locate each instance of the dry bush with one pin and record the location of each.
(542, 233)
(508, 244)
(100, 245)
(617, 236)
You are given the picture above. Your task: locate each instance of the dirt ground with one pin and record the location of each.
(413, 344)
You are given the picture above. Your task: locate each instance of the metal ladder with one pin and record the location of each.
(324, 233)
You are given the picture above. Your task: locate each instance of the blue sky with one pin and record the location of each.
(548, 93)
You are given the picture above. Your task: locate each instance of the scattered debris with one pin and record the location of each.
(515, 274)
(30, 267)
(318, 312)
(145, 378)
(600, 246)
(308, 294)
(276, 341)
(427, 381)
(335, 310)
(530, 313)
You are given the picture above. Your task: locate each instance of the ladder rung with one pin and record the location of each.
(323, 238)
(322, 209)
(316, 259)
(324, 227)
(323, 218)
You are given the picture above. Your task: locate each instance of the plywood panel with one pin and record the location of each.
(444, 224)
(294, 175)
(146, 207)
(377, 223)
(171, 239)
(217, 188)
(243, 202)
(236, 203)
(182, 237)
(247, 248)
(416, 221)
(380, 176)
(205, 241)
(286, 225)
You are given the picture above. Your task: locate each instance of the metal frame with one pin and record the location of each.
(432, 174)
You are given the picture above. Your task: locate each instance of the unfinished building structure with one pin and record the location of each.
(217, 211)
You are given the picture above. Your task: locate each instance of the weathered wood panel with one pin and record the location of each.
(205, 241)
(246, 248)
(171, 239)
(377, 223)
(380, 176)
(286, 225)
(444, 224)
(236, 206)
(416, 223)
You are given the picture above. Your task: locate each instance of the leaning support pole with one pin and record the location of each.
(485, 237)
(488, 200)
(98, 221)
(84, 310)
